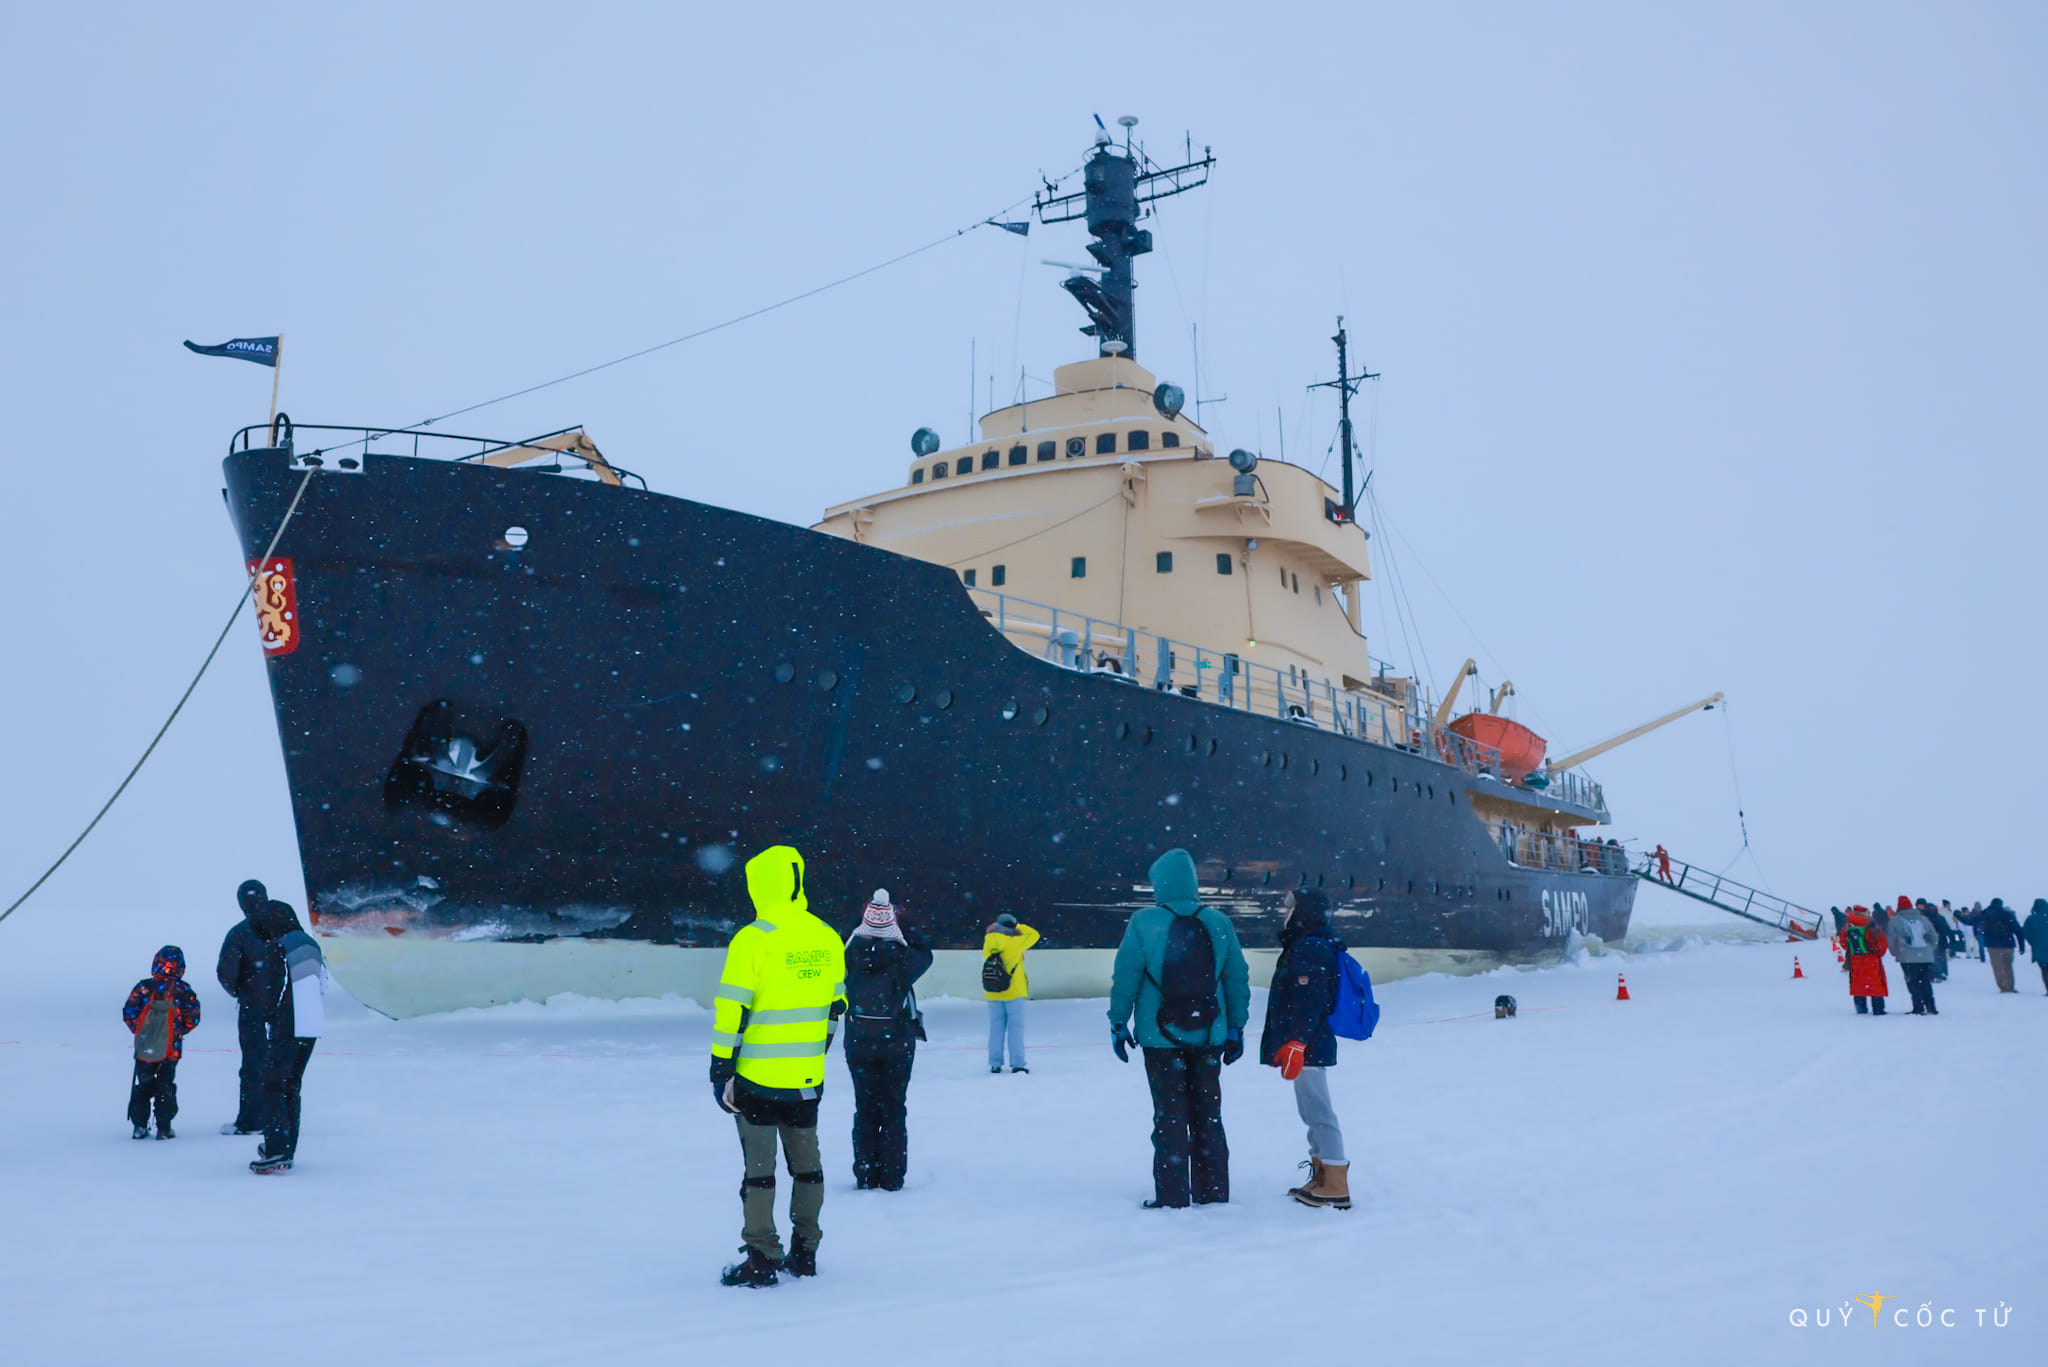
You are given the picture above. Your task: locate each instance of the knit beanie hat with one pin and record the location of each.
(878, 918)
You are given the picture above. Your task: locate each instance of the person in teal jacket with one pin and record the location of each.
(1186, 1040)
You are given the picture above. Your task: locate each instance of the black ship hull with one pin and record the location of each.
(581, 732)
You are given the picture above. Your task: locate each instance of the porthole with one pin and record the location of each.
(1267, 879)
(1193, 743)
(1319, 880)
(906, 693)
(828, 679)
(1432, 792)
(1227, 872)
(1283, 759)
(1315, 766)
(1267, 759)
(1396, 781)
(1010, 710)
(1076, 446)
(784, 672)
(1343, 772)
(1042, 715)
(944, 698)
(1350, 880)
(1146, 738)
(1212, 745)
(1368, 778)
(1123, 730)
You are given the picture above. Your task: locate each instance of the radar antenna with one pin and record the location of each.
(1116, 184)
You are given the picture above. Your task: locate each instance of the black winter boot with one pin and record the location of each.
(802, 1260)
(757, 1270)
(141, 1132)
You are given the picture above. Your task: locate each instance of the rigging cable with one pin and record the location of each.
(954, 564)
(1741, 817)
(248, 591)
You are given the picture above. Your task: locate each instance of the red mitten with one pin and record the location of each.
(1290, 1056)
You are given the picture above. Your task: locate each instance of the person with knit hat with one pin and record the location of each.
(1914, 944)
(1865, 945)
(241, 955)
(882, 1030)
(1299, 1042)
(1007, 989)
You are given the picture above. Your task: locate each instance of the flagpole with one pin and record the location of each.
(276, 366)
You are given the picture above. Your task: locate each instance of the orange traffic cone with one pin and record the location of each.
(1621, 988)
(1795, 967)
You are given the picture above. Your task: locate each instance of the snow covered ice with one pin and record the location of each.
(1661, 1181)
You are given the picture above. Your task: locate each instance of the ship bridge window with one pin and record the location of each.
(967, 578)
(1080, 567)
(991, 458)
(917, 475)
(1048, 449)
(997, 574)
(1169, 439)
(964, 465)
(1017, 455)
(1163, 562)
(1139, 441)
(1222, 559)
(1105, 444)
(939, 470)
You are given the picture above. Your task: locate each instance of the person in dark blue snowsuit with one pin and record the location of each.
(1299, 1042)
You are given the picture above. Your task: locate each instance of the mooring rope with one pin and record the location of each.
(248, 590)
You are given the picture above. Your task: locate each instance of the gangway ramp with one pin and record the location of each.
(1737, 899)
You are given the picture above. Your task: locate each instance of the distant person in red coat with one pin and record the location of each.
(1663, 863)
(1865, 945)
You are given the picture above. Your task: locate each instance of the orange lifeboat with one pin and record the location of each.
(1521, 750)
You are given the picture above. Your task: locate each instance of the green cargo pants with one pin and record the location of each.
(757, 1193)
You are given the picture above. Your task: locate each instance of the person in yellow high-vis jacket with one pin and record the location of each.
(779, 999)
(1007, 989)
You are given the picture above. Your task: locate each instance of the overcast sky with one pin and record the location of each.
(1711, 337)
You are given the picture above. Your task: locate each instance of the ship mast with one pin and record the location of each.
(1346, 384)
(1115, 187)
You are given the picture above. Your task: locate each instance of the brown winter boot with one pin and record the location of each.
(1331, 1187)
(1300, 1193)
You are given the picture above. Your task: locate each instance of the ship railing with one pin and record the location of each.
(1145, 659)
(1571, 787)
(348, 443)
(1558, 853)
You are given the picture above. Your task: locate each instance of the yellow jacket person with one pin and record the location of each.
(779, 999)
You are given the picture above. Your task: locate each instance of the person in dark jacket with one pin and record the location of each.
(2036, 932)
(1944, 935)
(1299, 1042)
(2001, 931)
(1183, 1061)
(238, 953)
(882, 1031)
(160, 1011)
(284, 1055)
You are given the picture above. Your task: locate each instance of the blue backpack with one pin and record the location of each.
(1357, 1014)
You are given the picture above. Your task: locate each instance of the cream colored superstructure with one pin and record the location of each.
(1147, 533)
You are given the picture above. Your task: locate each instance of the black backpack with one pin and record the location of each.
(995, 974)
(874, 982)
(1187, 979)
